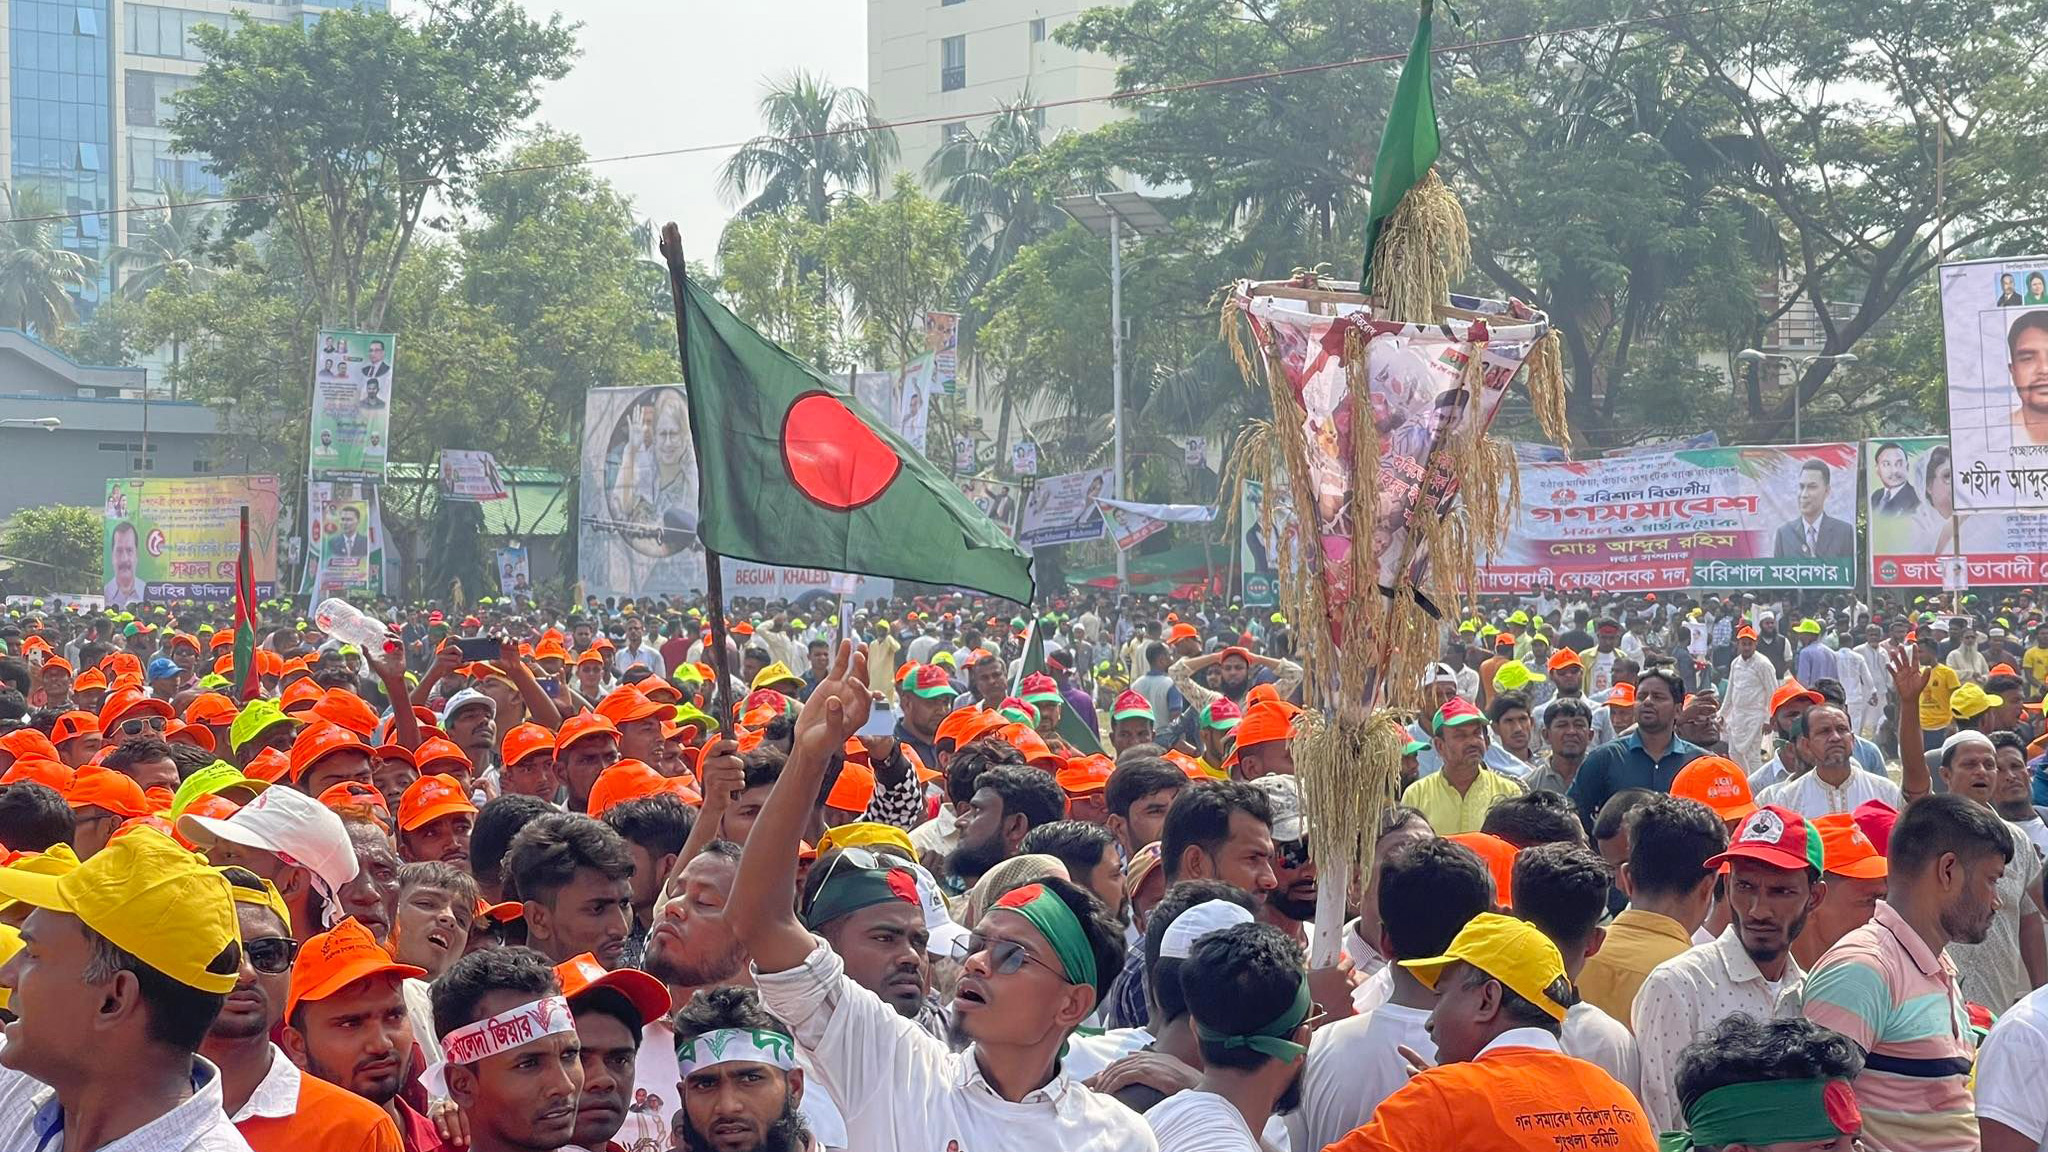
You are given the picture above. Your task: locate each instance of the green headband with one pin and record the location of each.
(1768, 1112)
(1269, 1038)
(851, 889)
(1060, 927)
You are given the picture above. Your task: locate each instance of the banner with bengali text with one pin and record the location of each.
(169, 540)
(1914, 524)
(1732, 517)
(1994, 321)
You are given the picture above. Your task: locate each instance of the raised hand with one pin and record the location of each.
(1909, 679)
(838, 706)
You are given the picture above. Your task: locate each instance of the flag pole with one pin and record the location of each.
(714, 577)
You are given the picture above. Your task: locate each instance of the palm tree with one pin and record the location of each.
(1008, 203)
(163, 246)
(37, 274)
(823, 141)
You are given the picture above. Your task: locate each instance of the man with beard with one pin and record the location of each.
(576, 876)
(275, 1106)
(1836, 782)
(2012, 959)
(1890, 987)
(926, 695)
(346, 1022)
(1235, 668)
(610, 1009)
(1789, 703)
(510, 1058)
(1648, 757)
(1752, 679)
(1699, 720)
(741, 1085)
(1249, 997)
(1008, 803)
(867, 906)
(1292, 902)
(1088, 852)
(1773, 884)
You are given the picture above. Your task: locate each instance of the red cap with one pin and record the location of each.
(1455, 711)
(581, 725)
(1129, 703)
(1876, 818)
(1775, 836)
(429, 798)
(648, 996)
(931, 683)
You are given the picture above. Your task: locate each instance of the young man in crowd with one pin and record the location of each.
(1769, 1085)
(1138, 796)
(575, 875)
(1561, 888)
(1248, 995)
(345, 1021)
(741, 1084)
(1669, 888)
(611, 1010)
(1567, 736)
(1648, 757)
(1008, 802)
(510, 1057)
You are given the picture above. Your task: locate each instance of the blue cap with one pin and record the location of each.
(163, 668)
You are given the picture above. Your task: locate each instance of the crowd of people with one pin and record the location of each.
(1723, 872)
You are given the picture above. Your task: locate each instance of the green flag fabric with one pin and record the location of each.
(1073, 729)
(1409, 145)
(795, 471)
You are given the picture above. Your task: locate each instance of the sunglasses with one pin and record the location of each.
(1292, 853)
(271, 955)
(146, 723)
(1005, 957)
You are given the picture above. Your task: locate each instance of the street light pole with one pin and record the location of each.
(1116, 379)
(1800, 365)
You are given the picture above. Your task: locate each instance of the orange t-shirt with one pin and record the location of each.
(328, 1118)
(1508, 1100)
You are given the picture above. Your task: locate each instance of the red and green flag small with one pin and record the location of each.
(246, 686)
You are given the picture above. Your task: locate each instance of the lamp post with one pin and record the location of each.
(46, 423)
(1802, 363)
(1109, 214)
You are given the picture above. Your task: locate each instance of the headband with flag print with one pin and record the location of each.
(1060, 927)
(735, 1045)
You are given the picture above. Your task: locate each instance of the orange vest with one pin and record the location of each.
(1509, 1100)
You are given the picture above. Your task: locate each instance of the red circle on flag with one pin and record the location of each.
(833, 458)
(1839, 1099)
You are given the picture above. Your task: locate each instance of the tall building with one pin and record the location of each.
(85, 88)
(956, 59)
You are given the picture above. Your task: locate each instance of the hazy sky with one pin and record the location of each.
(658, 74)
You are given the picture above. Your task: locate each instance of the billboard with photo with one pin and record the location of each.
(467, 475)
(168, 540)
(344, 539)
(1732, 517)
(1914, 522)
(1061, 509)
(1994, 318)
(354, 374)
(637, 511)
(996, 499)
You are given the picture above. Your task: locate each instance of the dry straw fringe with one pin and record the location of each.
(1422, 253)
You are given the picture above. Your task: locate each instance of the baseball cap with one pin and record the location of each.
(128, 700)
(255, 717)
(1499, 857)
(1792, 690)
(439, 750)
(1131, 703)
(213, 779)
(1775, 836)
(464, 699)
(1515, 676)
(580, 974)
(319, 740)
(1413, 747)
(40, 770)
(965, 725)
(27, 743)
(634, 780)
(1971, 700)
(337, 958)
(351, 794)
(1846, 849)
(1457, 710)
(1717, 782)
(148, 897)
(1622, 695)
(1084, 774)
(523, 740)
(1438, 674)
(1026, 739)
(1265, 722)
(290, 824)
(72, 725)
(580, 726)
(348, 710)
(162, 668)
(1180, 632)
(1511, 951)
(1745, 633)
(1807, 627)
(854, 790)
(97, 787)
(1039, 688)
(1876, 818)
(429, 798)
(1563, 658)
(1283, 794)
(930, 683)
(1221, 714)
(776, 673)
(197, 735)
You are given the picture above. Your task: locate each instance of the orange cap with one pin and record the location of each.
(299, 696)
(1622, 695)
(1186, 763)
(211, 708)
(581, 725)
(1499, 857)
(627, 704)
(348, 710)
(524, 740)
(90, 680)
(1717, 782)
(49, 662)
(634, 780)
(318, 740)
(268, 663)
(550, 648)
(1085, 774)
(660, 691)
(441, 751)
(503, 912)
(1037, 752)
(127, 700)
(648, 996)
(221, 639)
(27, 743)
(1266, 721)
(356, 794)
(854, 789)
(389, 751)
(269, 766)
(96, 787)
(1846, 851)
(966, 725)
(1792, 690)
(1180, 632)
(213, 806)
(72, 725)
(1745, 633)
(429, 798)
(335, 959)
(197, 735)
(41, 770)
(1562, 658)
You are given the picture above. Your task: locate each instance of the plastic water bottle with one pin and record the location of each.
(351, 625)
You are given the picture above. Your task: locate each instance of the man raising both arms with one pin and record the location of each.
(1034, 969)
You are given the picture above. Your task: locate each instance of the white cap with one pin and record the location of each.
(289, 823)
(1205, 918)
(943, 931)
(1964, 737)
(464, 699)
(1437, 673)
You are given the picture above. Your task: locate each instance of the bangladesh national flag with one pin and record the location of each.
(795, 471)
(246, 686)
(1409, 145)
(1073, 729)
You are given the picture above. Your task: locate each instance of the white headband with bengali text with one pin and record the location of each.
(727, 1045)
(501, 1033)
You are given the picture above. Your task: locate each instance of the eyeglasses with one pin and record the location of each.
(1005, 957)
(271, 955)
(136, 727)
(1291, 853)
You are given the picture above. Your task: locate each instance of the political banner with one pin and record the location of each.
(515, 572)
(1994, 317)
(637, 503)
(470, 476)
(1733, 517)
(996, 499)
(344, 538)
(963, 453)
(876, 391)
(769, 582)
(1914, 524)
(353, 377)
(1193, 453)
(942, 340)
(1261, 555)
(1061, 509)
(168, 540)
(916, 390)
(1024, 458)
(1130, 522)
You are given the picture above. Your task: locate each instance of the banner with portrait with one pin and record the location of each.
(515, 572)
(1262, 554)
(942, 340)
(1130, 522)
(1914, 523)
(469, 475)
(996, 499)
(917, 389)
(637, 505)
(1994, 318)
(344, 539)
(353, 377)
(1732, 517)
(1061, 509)
(167, 540)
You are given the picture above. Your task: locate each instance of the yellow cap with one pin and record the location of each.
(776, 673)
(1509, 950)
(10, 943)
(148, 897)
(867, 832)
(1971, 700)
(58, 860)
(269, 898)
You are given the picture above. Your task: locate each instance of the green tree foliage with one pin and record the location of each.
(767, 272)
(38, 276)
(896, 259)
(812, 152)
(56, 548)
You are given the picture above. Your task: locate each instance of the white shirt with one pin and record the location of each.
(2009, 1064)
(1684, 997)
(904, 1089)
(1087, 1055)
(647, 654)
(31, 1119)
(1813, 797)
(1352, 1065)
(1597, 1038)
(276, 1095)
(2036, 830)
(1198, 1121)
(1373, 991)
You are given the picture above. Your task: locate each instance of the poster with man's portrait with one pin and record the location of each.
(1995, 327)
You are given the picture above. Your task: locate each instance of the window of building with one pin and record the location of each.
(953, 131)
(1038, 30)
(147, 96)
(89, 157)
(167, 32)
(952, 63)
(88, 23)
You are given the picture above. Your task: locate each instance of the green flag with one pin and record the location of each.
(794, 471)
(1409, 145)
(1073, 729)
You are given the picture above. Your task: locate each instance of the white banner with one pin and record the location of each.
(515, 574)
(469, 475)
(637, 510)
(1061, 509)
(1024, 458)
(917, 388)
(1994, 316)
(997, 500)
